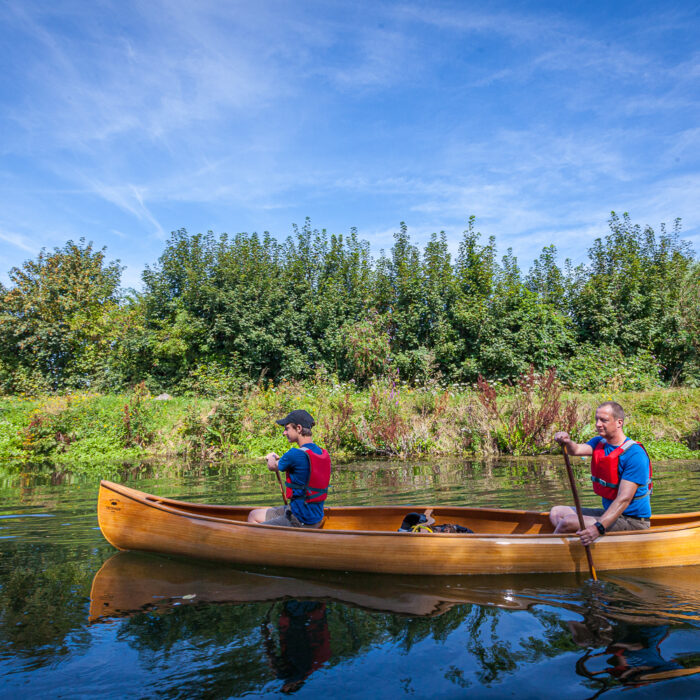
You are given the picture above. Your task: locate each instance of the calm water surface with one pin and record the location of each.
(78, 619)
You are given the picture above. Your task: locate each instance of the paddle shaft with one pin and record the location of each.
(577, 503)
(279, 481)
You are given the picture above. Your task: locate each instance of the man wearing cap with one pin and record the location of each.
(308, 471)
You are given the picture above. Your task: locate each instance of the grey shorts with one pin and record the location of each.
(624, 522)
(282, 515)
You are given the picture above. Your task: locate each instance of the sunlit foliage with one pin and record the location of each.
(219, 312)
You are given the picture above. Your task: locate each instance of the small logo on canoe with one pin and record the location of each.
(114, 504)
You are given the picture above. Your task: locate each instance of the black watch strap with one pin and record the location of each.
(600, 526)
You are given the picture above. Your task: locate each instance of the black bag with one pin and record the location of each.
(449, 527)
(418, 522)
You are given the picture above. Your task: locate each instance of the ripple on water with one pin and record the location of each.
(208, 629)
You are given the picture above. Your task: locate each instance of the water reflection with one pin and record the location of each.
(76, 622)
(131, 582)
(299, 623)
(632, 655)
(302, 645)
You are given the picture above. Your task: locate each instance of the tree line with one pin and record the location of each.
(216, 312)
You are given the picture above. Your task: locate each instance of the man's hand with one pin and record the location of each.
(272, 460)
(588, 535)
(562, 437)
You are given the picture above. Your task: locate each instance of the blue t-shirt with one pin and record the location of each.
(296, 464)
(632, 466)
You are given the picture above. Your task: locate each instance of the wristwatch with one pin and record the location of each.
(601, 527)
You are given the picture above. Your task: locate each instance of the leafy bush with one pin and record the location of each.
(90, 433)
(668, 449)
(85, 429)
(214, 434)
(338, 430)
(366, 348)
(595, 368)
(382, 429)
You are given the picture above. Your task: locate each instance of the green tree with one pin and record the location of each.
(401, 298)
(688, 314)
(546, 279)
(475, 279)
(223, 310)
(633, 293)
(439, 297)
(55, 318)
(366, 348)
(343, 297)
(521, 327)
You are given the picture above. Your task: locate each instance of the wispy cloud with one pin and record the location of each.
(129, 198)
(140, 118)
(19, 241)
(183, 70)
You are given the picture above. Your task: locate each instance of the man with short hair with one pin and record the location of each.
(308, 470)
(621, 475)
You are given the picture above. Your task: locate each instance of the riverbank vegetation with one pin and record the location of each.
(85, 432)
(416, 352)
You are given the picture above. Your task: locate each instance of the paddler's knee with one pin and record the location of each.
(559, 513)
(569, 523)
(257, 515)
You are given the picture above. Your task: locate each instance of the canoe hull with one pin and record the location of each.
(132, 520)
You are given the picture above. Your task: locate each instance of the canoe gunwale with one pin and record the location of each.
(179, 508)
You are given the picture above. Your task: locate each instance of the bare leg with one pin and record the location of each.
(258, 515)
(564, 519)
(558, 513)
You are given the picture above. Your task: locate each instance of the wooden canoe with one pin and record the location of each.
(364, 538)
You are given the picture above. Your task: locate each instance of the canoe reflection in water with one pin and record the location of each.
(299, 620)
(133, 582)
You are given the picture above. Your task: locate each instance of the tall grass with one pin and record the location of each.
(87, 432)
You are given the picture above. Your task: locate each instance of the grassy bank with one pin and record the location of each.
(88, 432)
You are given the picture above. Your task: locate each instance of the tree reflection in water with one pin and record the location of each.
(289, 639)
(203, 630)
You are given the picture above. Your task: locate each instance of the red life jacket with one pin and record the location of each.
(316, 488)
(316, 635)
(605, 473)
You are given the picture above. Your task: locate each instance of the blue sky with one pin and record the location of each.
(121, 121)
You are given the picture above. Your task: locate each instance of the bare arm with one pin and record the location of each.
(625, 494)
(573, 448)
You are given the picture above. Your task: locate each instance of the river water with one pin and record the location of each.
(78, 619)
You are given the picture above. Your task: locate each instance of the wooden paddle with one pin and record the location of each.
(577, 503)
(279, 481)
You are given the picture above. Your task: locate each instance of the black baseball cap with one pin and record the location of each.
(298, 417)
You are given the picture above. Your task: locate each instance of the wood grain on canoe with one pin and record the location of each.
(364, 538)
